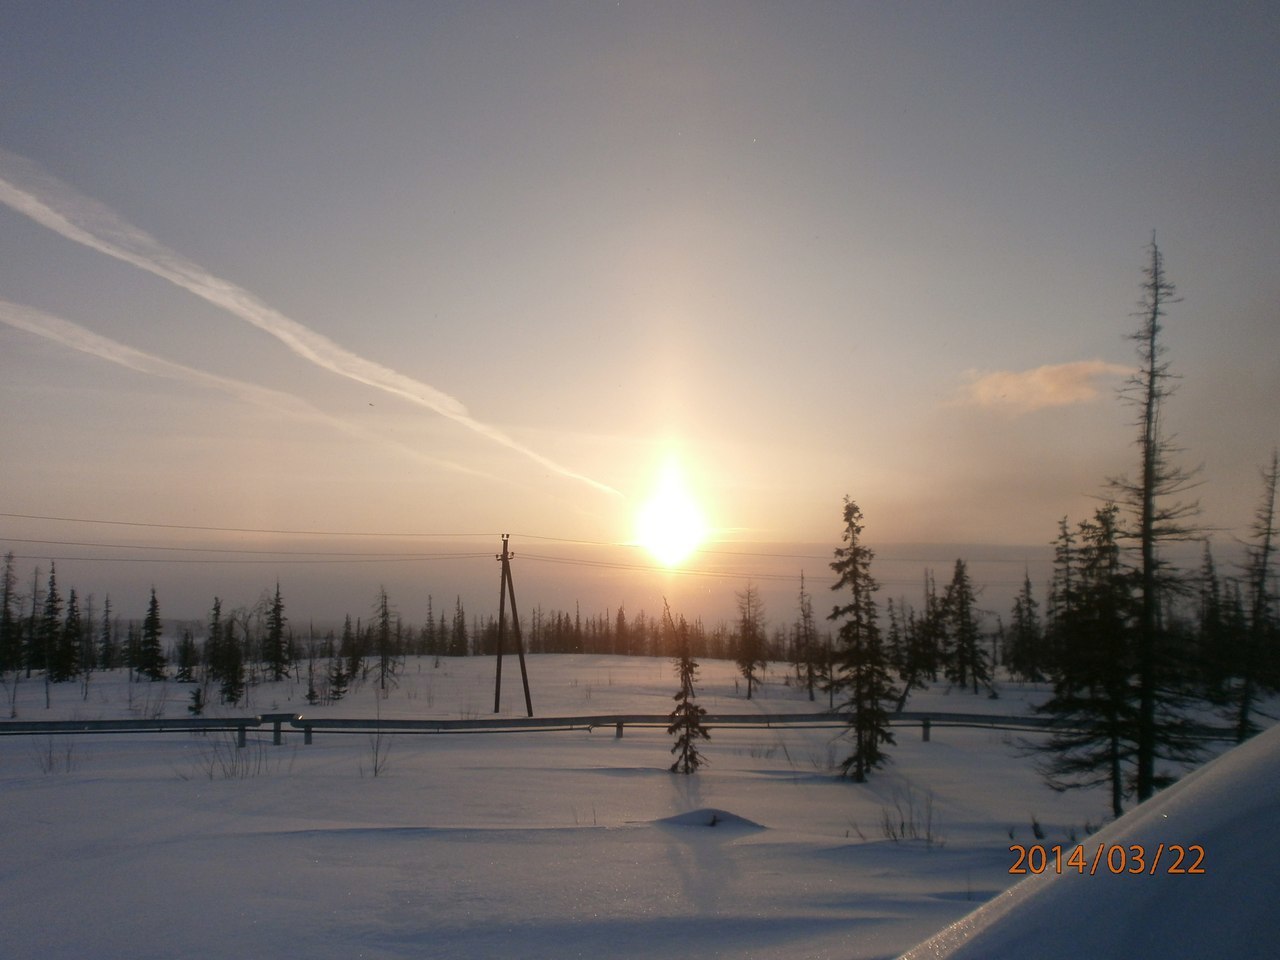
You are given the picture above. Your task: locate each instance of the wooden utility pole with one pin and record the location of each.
(504, 589)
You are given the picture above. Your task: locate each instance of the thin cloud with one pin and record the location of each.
(86, 341)
(60, 208)
(1053, 385)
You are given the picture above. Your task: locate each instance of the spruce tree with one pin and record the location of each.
(807, 652)
(87, 652)
(967, 661)
(902, 651)
(312, 695)
(1093, 696)
(1257, 674)
(861, 661)
(749, 652)
(1024, 652)
(350, 651)
(621, 635)
(458, 637)
(49, 629)
(1219, 642)
(275, 649)
(188, 657)
(108, 651)
(10, 627)
(1156, 517)
(133, 648)
(337, 678)
(921, 643)
(213, 656)
(930, 642)
(151, 659)
(1097, 697)
(231, 686)
(431, 636)
(64, 661)
(686, 718)
(384, 640)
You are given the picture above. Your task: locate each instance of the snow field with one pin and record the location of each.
(533, 845)
(1190, 873)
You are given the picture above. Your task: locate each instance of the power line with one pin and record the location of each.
(189, 560)
(304, 533)
(754, 576)
(213, 529)
(649, 568)
(372, 534)
(342, 557)
(399, 554)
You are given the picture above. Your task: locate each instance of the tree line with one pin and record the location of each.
(1134, 648)
(57, 638)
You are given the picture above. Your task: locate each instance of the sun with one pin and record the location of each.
(670, 525)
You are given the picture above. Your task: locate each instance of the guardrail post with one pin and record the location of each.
(306, 734)
(924, 729)
(618, 735)
(240, 735)
(277, 721)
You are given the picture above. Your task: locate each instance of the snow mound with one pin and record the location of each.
(709, 817)
(1227, 808)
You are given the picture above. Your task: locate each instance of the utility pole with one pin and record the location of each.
(505, 588)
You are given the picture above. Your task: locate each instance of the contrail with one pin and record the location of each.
(60, 208)
(86, 341)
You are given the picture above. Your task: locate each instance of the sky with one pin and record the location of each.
(455, 270)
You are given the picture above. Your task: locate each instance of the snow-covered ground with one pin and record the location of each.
(1192, 873)
(529, 845)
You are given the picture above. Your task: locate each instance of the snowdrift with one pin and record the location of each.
(709, 817)
(1228, 807)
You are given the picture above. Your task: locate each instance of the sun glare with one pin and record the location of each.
(670, 525)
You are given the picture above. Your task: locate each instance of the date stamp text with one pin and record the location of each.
(1136, 859)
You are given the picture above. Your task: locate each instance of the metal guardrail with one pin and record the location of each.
(126, 725)
(240, 725)
(926, 720)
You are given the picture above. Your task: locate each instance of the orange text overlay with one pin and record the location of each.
(1135, 859)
